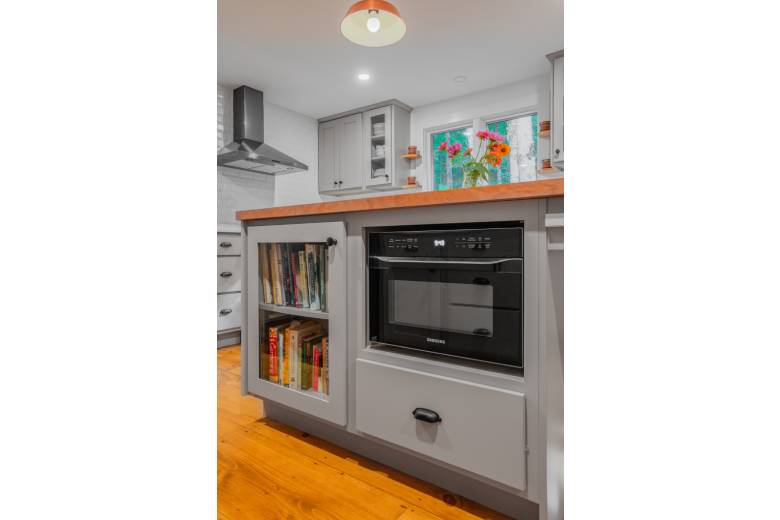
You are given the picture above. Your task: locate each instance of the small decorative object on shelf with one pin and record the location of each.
(410, 180)
(547, 167)
(491, 151)
(411, 153)
(544, 129)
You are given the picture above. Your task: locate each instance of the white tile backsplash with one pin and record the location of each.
(238, 190)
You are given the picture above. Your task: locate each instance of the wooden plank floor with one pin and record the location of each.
(266, 470)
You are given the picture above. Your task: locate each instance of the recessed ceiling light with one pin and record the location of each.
(459, 79)
(364, 77)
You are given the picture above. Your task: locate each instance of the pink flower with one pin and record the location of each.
(443, 146)
(454, 149)
(493, 136)
(482, 134)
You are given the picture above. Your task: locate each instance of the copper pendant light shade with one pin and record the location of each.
(373, 23)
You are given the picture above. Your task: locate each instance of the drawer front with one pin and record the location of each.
(228, 311)
(482, 429)
(228, 244)
(228, 274)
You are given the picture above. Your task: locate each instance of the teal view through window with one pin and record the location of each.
(445, 175)
(520, 133)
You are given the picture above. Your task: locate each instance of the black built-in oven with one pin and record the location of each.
(450, 290)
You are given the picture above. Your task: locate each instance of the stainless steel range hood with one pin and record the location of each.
(249, 151)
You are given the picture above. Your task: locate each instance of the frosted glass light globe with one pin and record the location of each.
(373, 24)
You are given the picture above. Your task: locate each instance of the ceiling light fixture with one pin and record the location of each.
(373, 23)
(459, 79)
(364, 77)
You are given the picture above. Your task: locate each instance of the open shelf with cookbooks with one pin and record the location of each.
(294, 350)
(296, 340)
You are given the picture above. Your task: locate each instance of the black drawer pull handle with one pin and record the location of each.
(481, 281)
(225, 312)
(481, 332)
(226, 274)
(225, 244)
(425, 415)
(331, 241)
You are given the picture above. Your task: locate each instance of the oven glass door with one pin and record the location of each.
(466, 309)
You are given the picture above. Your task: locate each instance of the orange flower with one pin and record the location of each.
(493, 159)
(503, 149)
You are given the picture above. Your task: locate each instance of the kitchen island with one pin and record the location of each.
(489, 432)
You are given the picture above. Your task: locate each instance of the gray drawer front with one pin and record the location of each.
(228, 274)
(228, 311)
(228, 244)
(482, 429)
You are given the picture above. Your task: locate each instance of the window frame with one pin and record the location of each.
(477, 124)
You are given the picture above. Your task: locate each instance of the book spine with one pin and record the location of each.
(316, 362)
(292, 259)
(286, 358)
(279, 298)
(264, 271)
(272, 345)
(310, 272)
(325, 365)
(304, 278)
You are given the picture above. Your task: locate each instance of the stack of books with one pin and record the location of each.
(295, 275)
(295, 355)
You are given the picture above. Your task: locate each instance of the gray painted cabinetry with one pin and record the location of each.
(229, 270)
(498, 440)
(361, 150)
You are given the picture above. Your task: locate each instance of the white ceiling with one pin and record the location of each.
(294, 52)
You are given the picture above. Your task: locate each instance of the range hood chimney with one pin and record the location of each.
(249, 151)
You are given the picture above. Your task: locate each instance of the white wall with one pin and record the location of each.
(530, 94)
(296, 135)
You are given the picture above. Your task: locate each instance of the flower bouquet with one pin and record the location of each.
(490, 152)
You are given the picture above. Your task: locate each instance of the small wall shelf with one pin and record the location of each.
(412, 156)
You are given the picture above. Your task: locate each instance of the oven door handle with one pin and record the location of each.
(400, 260)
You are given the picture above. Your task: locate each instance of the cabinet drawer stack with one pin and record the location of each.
(228, 289)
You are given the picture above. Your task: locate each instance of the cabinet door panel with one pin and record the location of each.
(350, 172)
(328, 156)
(330, 404)
(378, 139)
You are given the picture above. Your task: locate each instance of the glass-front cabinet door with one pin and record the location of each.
(294, 349)
(377, 125)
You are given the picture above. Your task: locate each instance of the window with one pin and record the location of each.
(520, 133)
(445, 175)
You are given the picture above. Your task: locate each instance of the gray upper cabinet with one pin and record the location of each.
(556, 143)
(350, 152)
(340, 146)
(362, 149)
(328, 154)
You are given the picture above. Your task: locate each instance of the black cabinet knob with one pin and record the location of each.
(225, 244)
(426, 415)
(330, 241)
(226, 274)
(225, 312)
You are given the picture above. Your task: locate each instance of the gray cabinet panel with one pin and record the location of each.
(332, 408)
(228, 244)
(328, 157)
(228, 311)
(482, 429)
(350, 171)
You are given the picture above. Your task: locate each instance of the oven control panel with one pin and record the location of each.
(506, 242)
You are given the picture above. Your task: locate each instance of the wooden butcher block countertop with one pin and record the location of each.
(501, 192)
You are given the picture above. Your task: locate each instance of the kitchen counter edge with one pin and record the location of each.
(502, 192)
